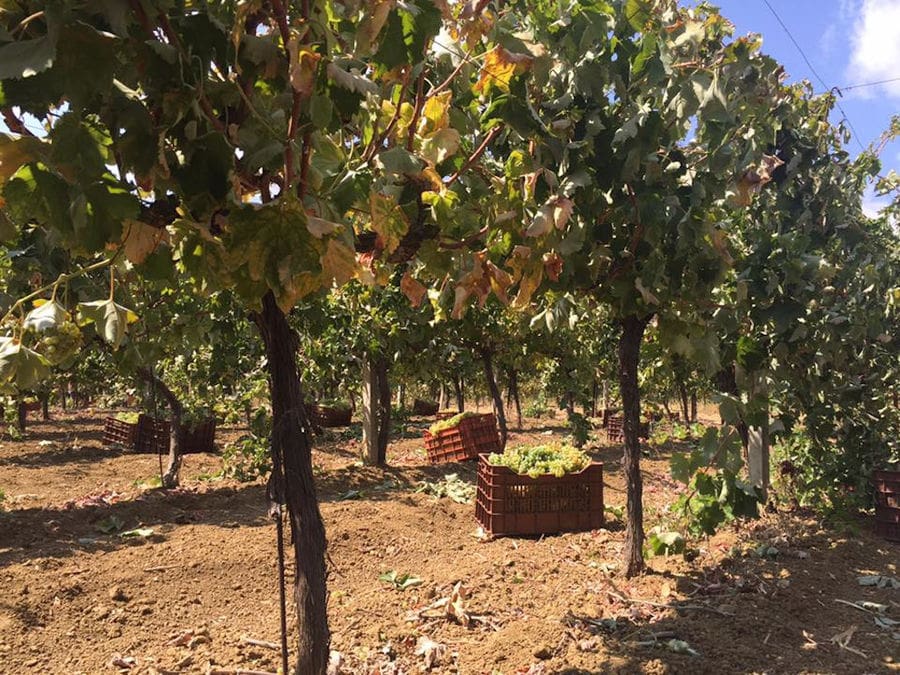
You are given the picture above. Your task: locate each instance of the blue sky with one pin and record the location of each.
(848, 42)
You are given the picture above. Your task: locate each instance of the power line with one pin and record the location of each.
(815, 72)
(868, 84)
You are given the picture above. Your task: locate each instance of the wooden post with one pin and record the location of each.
(758, 438)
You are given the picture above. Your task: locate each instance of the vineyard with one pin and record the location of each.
(396, 337)
(186, 596)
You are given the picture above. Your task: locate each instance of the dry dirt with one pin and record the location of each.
(185, 598)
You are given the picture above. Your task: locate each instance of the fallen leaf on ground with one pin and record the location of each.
(434, 653)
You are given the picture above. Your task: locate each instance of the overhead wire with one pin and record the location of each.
(816, 74)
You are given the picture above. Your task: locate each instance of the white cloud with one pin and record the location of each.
(875, 45)
(872, 203)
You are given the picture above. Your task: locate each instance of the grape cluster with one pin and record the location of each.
(449, 423)
(557, 459)
(60, 343)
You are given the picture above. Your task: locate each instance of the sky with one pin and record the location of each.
(847, 43)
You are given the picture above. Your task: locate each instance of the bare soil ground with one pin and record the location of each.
(186, 598)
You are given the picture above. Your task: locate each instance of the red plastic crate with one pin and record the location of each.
(471, 437)
(508, 503)
(887, 488)
(327, 416)
(424, 408)
(887, 522)
(117, 432)
(153, 437)
(615, 429)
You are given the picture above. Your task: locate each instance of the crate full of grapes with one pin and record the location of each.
(544, 489)
(461, 437)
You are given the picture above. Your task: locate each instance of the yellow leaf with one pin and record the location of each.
(498, 68)
(440, 145)
(370, 27)
(338, 264)
(459, 302)
(140, 240)
(388, 221)
(412, 289)
(500, 282)
(531, 280)
(304, 64)
(14, 152)
(434, 113)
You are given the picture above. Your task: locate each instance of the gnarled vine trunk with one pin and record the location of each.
(292, 484)
(496, 396)
(376, 404)
(514, 394)
(460, 393)
(629, 358)
(169, 478)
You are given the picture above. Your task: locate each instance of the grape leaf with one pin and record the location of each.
(45, 316)
(110, 319)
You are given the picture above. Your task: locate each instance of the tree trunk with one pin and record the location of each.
(693, 406)
(442, 396)
(45, 406)
(63, 399)
(460, 394)
(594, 390)
(514, 390)
(683, 400)
(376, 402)
(176, 428)
(22, 420)
(496, 396)
(629, 358)
(292, 483)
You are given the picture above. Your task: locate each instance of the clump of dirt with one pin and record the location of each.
(102, 574)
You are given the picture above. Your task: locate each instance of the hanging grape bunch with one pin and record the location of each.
(57, 337)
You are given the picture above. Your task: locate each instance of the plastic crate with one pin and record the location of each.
(508, 503)
(153, 436)
(887, 522)
(326, 416)
(117, 432)
(615, 429)
(887, 504)
(887, 488)
(424, 408)
(471, 437)
(201, 437)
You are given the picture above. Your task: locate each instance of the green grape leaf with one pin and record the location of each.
(20, 367)
(110, 319)
(45, 316)
(665, 543)
(25, 58)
